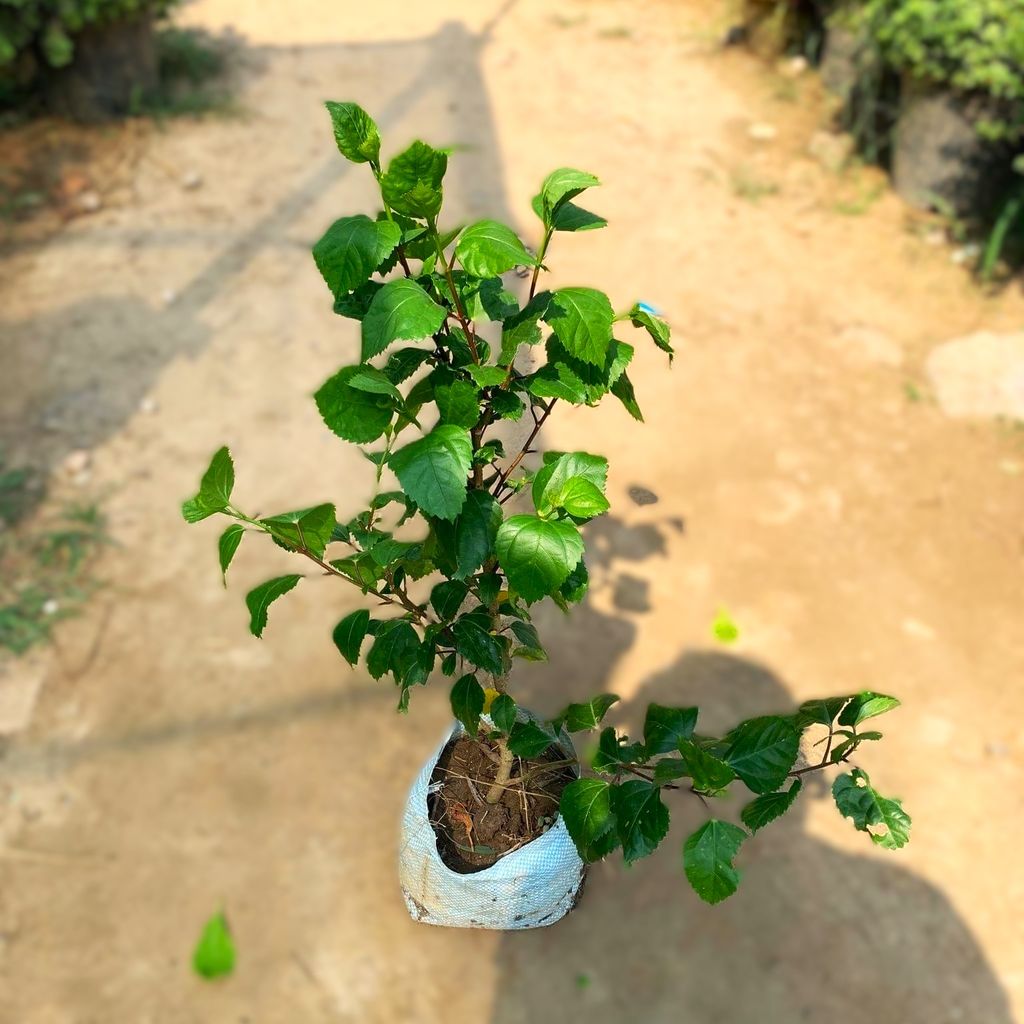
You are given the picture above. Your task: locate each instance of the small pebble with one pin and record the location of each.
(168, 296)
(77, 461)
(148, 405)
(191, 180)
(761, 131)
(793, 67)
(88, 201)
(51, 606)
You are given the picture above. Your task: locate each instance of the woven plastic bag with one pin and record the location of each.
(531, 887)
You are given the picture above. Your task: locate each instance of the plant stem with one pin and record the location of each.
(505, 761)
(540, 259)
(538, 423)
(460, 312)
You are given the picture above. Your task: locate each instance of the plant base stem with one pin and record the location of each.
(505, 761)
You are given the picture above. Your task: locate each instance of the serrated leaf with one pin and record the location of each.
(641, 817)
(475, 532)
(559, 187)
(227, 545)
(569, 217)
(394, 649)
(613, 751)
(467, 701)
(522, 328)
(622, 389)
(560, 467)
(356, 304)
(866, 705)
(507, 406)
(582, 320)
(458, 403)
(581, 498)
(447, 597)
(400, 311)
(214, 955)
(537, 555)
(355, 132)
(858, 800)
(433, 470)
(349, 634)
(488, 248)
(765, 809)
(477, 644)
(530, 739)
(557, 380)
(580, 717)
(486, 376)
(404, 362)
(351, 250)
(586, 809)
(709, 773)
(309, 528)
(214, 489)
(655, 326)
(664, 727)
(762, 751)
(369, 379)
(412, 184)
(526, 634)
(503, 712)
(259, 599)
(352, 414)
(708, 860)
(820, 711)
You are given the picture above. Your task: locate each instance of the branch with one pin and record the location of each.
(538, 423)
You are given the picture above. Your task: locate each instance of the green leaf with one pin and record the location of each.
(503, 712)
(724, 629)
(467, 700)
(708, 860)
(765, 809)
(507, 406)
(580, 498)
(762, 751)
(349, 634)
(857, 800)
(477, 644)
(394, 649)
(570, 217)
(486, 376)
(866, 705)
(259, 599)
(369, 379)
(214, 489)
(821, 711)
(351, 250)
(458, 403)
(227, 546)
(475, 532)
(412, 184)
(356, 304)
(560, 467)
(214, 955)
(622, 389)
(586, 808)
(488, 248)
(613, 751)
(655, 326)
(526, 634)
(537, 555)
(559, 187)
(404, 362)
(580, 717)
(355, 132)
(400, 311)
(664, 727)
(530, 739)
(582, 320)
(447, 597)
(522, 328)
(709, 773)
(353, 414)
(433, 470)
(308, 528)
(576, 584)
(642, 818)
(557, 380)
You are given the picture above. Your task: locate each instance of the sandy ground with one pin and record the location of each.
(175, 765)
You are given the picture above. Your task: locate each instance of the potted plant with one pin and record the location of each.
(471, 536)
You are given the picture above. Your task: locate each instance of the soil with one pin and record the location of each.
(473, 834)
(806, 482)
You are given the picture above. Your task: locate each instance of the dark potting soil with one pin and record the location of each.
(471, 833)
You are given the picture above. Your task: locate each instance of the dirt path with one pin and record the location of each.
(859, 538)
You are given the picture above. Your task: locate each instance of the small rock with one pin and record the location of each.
(831, 149)
(912, 627)
(88, 201)
(168, 296)
(935, 236)
(761, 131)
(968, 253)
(148, 405)
(793, 67)
(191, 180)
(77, 461)
(82, 479)
(980, 375)
(51, 606)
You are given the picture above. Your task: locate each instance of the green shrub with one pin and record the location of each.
(46, 29)
(973, 46)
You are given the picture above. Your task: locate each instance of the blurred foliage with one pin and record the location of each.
(46, 29)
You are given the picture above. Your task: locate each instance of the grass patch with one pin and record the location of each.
(45, 561)
(749, 185)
